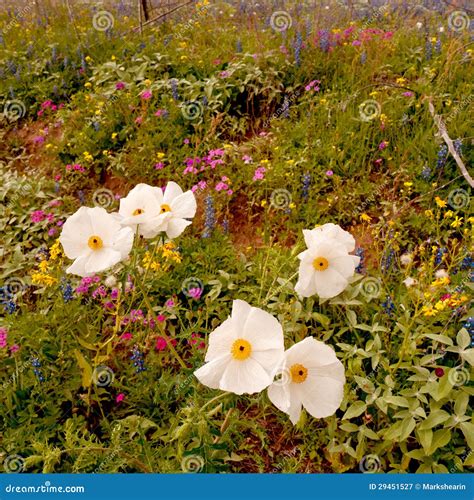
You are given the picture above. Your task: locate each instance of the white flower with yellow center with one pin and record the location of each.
(243, 352)
(326, 265)
(95, 240)
(312, 377)
(141, 208)
(175, 208)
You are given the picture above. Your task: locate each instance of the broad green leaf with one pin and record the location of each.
(355, 410)
(435, 418)
(85, 367)
(460, 404)
(467, 429)
(463, 338)
(425, 437)
(440, 439)
(407, 428)
(365, 384)
(397, 401)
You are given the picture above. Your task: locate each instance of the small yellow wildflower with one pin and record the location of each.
(428, 311)
(441, 203)
(56, 251)
(456, 222)
(366, 218)
(429, 214)
(408, 184)
(87, 85)
(448, 214)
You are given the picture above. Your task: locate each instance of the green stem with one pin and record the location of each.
(213, 400)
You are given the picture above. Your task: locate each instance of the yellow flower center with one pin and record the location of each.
(241, 349)
(298, 373)
(95, 242)
(138, 211)
(165, 208)
(320, 263)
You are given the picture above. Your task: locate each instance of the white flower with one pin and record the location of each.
(243, 352)
(175, 208)
(311, 376)
(95, 240)
(441, 29)
(330, 230)
(409, 282)
(326, 265)
(406, 259)
(110, 281)
(419, 25)
(142, 207)
(441, 273)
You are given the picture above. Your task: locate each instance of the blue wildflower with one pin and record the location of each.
(388, 306)
(457, 143)
(387, 260)
(363, 57)
(439, 255)
(306, 181)
(138, 360)
(239, 46)
(360, 252)
(442, 156)
(426, 173)
(324, 40)
(428, 50)
(174, 89)
(210, 216)
(68, 291)
(35, 363)
(298, 46)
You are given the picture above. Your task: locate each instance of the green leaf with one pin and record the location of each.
(435, 418)
(355, 410)
(408, 424)
(440, 438)
(460, 404)
(348, 427)
(443, 388)
(365, 384)
(425, 438)
(397, 401)
(463, 338)
(85, 367)
(467, 429)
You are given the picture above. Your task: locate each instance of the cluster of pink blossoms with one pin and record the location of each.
(4, 341)
(38, 216)
(49, 106)
(259, 174)
(75, 167)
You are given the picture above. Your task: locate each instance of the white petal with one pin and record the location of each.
(75, 233)
(330, 283)
(294, 411)
(263, 331)
(103, 225)
(306, 285)
(100, 260)
(123, 242)
(184, 206)
(269, 359)
(172, 191)
(244, 377)
(240, 311)
(78, 267)
(279, 395)
(221, 340)
(321, 396)
(211, 373)
(345, 265)
(176, 227)
(311, 353)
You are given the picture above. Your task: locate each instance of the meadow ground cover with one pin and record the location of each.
(238, 241)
